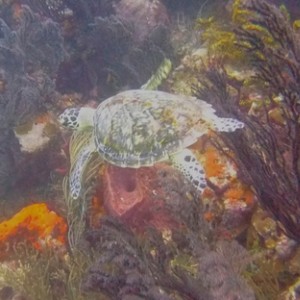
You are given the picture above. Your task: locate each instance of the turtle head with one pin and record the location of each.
(69, 118)
(77, 117)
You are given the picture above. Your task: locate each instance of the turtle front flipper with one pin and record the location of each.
(186, 162)
(81, 149)
(77, 171)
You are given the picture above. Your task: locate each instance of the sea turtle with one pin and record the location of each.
(138, 128)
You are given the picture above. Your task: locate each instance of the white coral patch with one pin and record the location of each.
(34, 139)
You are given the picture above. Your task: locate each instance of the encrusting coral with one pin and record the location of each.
(35, 224)
(228, 200)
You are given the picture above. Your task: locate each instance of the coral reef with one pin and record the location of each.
(104, 52)
(107, 51)
(177, 264)
(29, 56)
(267, 153)
(264, 93)
(160, 241)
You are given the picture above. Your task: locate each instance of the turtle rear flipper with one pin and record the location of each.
(186, 162)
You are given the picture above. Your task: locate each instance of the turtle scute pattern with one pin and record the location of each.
(138, 127)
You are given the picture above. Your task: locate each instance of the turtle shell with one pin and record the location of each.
(141, 127)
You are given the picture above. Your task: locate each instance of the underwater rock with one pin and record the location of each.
(106, 59)
(180, 263)
(182, 78)
(8, 293)
(129, 267)
(190, 8)
(292, 292)
(95, 59)
(144, 15)
(268, 234)
(35, 224)
(221, 271)
(10, 158)
(40, 154)
(30, 55)
(69, 13)
(139, 196)
(31, 50)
